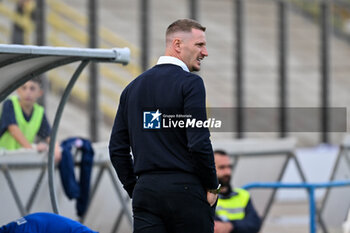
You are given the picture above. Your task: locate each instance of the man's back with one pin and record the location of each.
(167, 88)
(171, 175)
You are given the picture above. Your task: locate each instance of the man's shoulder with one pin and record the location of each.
(7, 102)
(177, 72)
(192, 80)
(7, 105)
(160, 70)
(195, 77)
(39, 106)
(174, 69)
(241, 193)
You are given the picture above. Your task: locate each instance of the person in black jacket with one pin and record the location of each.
(235, 212)
(171, 174)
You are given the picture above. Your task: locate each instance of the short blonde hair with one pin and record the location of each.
(184, 25)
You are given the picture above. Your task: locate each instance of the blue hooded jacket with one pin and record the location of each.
(72, 188)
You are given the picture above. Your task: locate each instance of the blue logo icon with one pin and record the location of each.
(151, 120)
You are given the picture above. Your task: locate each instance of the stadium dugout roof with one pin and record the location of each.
(20, 63)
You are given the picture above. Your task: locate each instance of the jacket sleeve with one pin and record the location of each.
(7, 115)
(251, 222)
(198, 140)
(119, 149)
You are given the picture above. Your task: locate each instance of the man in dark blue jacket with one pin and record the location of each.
(171, 174)
(235, 212)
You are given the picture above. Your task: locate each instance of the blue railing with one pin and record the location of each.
(311, 191)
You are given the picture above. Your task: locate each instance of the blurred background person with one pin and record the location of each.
(44, 223)
(235, 212)
(23, 120)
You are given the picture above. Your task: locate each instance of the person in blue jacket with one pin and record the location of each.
(45, 223)
(235, 212)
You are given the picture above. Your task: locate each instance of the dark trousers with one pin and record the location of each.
(171, 202)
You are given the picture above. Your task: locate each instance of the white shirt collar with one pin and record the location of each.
(172, 60)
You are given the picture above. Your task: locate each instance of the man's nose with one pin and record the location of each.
(227, 172)
(204, 52)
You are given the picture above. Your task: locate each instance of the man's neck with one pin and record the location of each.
(172, 54)
(26, 109)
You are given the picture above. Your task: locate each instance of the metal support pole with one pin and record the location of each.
(193, 6)
(94, 112)
(40, 18)
(312, 209)
(310, 187)
(273, 194)
(144, 23)
(118, 221)
(324, 69)
(298, 165)
(239, 45)
(35, 189)
(13, 190)
(119, 218)
(119, 193)
(51, 164)
(93, 190)
(282, 45)
(322, 224)
(40, 22)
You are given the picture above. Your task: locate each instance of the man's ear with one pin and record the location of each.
(177, 45)
(41, 92)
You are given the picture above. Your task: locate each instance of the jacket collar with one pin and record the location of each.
(172, 60)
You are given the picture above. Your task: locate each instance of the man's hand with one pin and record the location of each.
(211, 197)
(222, 227)
(42, 147)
